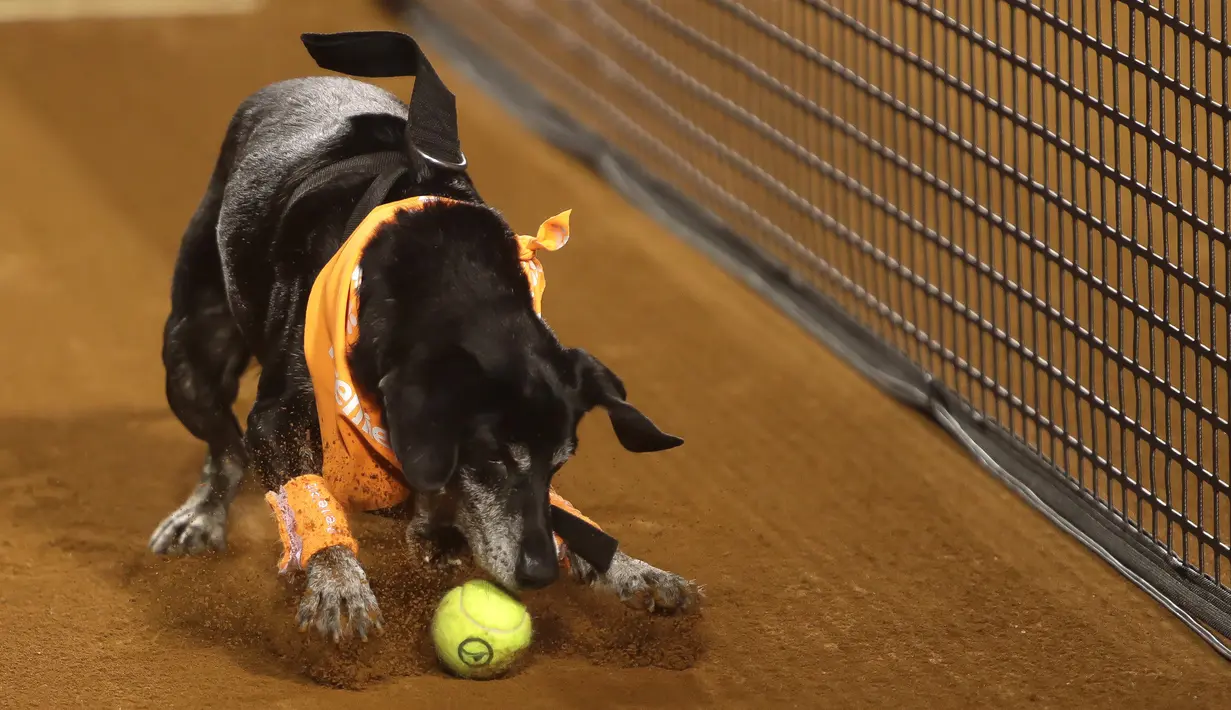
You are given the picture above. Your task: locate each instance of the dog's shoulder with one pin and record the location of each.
(287, 129)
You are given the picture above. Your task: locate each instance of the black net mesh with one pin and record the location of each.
(1028, 200)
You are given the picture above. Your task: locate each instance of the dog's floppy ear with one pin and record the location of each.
(427, 416)
(600, 387)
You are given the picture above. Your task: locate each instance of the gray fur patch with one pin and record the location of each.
(494, 535)
(639, 584)
(200, 524)
(562, 455)
(521, 456)
(338, 585)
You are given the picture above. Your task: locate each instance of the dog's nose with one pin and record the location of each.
(536, 571)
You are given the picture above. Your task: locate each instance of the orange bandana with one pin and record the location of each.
(361, 471)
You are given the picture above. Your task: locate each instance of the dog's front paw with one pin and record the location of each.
(641, 585)
(442, 549)
(337, 586)
(199, 525)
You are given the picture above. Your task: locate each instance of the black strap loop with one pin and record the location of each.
(587, 541)
(431, 129)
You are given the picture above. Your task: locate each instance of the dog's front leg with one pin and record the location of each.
(430, 534)
(285, 442)
(639, 584)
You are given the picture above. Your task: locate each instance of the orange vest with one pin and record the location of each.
(360, 470)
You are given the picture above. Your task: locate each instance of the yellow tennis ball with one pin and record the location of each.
(480, 630)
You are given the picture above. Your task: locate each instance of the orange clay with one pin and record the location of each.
(361, 471)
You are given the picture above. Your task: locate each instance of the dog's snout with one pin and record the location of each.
(536, 570)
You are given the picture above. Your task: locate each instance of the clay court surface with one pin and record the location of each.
(852, 556)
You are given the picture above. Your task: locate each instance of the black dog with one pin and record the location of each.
(472, 381)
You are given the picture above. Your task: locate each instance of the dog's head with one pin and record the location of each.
(491, 432)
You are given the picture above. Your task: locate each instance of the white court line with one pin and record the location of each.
(19, 10)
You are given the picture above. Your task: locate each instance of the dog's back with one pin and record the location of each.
(288, 126)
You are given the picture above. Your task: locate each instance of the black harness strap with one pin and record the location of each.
(431, 131)
(387, 167)
(375, 195)
(591, 544)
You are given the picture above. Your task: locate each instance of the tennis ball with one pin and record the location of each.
(480, 630)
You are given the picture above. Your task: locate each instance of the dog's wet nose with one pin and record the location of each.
(536, 571)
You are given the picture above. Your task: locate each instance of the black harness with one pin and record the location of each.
(431, 128)
(431, 137)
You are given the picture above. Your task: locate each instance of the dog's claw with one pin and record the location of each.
(198, 526)
(680, 595)
(443, 562)
(337, 582)
(435, 551)
(664, 593)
